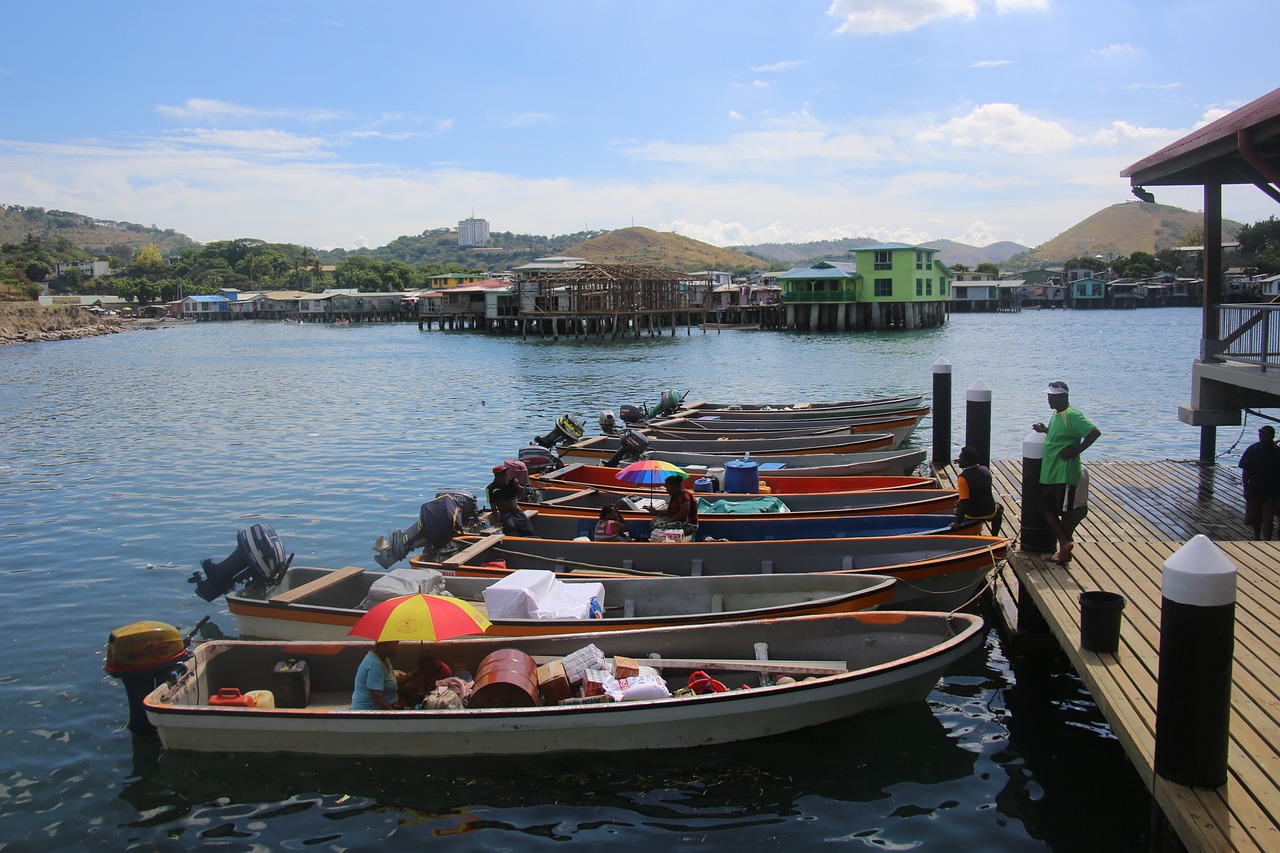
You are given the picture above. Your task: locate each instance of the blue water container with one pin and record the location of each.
(742, 477)
(704, 484)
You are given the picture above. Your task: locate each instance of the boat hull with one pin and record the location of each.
(604, 446)
(579, 475)
(804, 465)
(817, 505)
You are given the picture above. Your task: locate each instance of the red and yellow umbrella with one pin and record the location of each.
(420, 617)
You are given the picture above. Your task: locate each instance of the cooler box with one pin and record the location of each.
(291, 684)
(741, 477)
(703, 484)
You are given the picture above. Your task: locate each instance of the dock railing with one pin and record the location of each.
(1250, 334)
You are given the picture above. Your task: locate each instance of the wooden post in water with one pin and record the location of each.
(941, 413)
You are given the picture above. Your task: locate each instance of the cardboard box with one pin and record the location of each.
(625, 667)
(553, 682)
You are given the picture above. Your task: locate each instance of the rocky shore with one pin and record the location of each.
(28, 322)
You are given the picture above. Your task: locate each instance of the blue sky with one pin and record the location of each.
(337, 124)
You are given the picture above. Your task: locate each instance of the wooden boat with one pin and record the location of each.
(934, 572)
(323, 604)
(586, 502)
(900, 427)
(765, 526)
(579, 475)
(798, 411)
(862, 662)
(804, 465)
(605, 446)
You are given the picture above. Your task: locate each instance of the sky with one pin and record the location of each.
(735, 122)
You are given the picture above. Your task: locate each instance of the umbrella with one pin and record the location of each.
(420, 617)
(649, 471)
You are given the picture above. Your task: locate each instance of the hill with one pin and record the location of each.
(1125, 228)
(949, 251)
(94, 236)
(662, 249)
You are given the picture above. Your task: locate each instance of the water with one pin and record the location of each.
(125, 460)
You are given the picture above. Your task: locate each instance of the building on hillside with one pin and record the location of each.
(91, 269)
(473, 233)
(446, 280)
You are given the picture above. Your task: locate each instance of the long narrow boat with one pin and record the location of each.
(811, 465)
(798, 411)
(899, 427)
(934, 572)
(604, 446)
(323, 604)
(822, 504)
(580, 475)
(765, 526)
(862, 662)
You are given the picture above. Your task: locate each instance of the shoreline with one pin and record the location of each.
(28, 323)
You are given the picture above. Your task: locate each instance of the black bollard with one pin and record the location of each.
(977, 420)
(1197, 641)
(1035, 534)
(941, 413)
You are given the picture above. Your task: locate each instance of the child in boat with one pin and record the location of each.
(610, 527)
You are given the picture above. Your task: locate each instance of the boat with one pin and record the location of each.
(635, 504)
(607, 446)
(801, 465)
(323, 604)
(860, 662)
(745, 527)
(795, 411)
(900, 427)
(933, 572)
(580, 475)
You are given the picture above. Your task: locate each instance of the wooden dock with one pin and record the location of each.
(1140, 514)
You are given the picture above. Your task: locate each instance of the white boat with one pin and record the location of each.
(801, 465)
(324, 604)
(861, 661)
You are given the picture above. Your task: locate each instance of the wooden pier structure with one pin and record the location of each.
(1140, 514)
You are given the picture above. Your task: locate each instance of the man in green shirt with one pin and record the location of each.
(1068, 434)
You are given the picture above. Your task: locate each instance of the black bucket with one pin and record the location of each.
(1100, 621)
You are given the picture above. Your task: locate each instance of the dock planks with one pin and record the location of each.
(1140, 514)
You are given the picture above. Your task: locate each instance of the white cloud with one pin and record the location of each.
(206, 109)
(1115, 51)
(991, 63)
(780, 148)
(884, 17)
(255, 141)
(778, 67)
(735, 115)
(1001, 126)
(759, 84)
(1121, 131)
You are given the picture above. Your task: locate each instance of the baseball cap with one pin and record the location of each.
(1056, 388)
(497, 468)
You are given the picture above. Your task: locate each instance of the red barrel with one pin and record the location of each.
(507, 678)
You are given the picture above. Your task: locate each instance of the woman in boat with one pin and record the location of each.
(376, 682)
(418, 682)
(610, 527)
(681, 511)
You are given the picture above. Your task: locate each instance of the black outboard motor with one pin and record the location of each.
(567, 429)
(259, 556)
(631, 415)
(539, 460)
(631, 447)
(439, 520)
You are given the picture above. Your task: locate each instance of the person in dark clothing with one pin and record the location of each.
(977, 502)
(1260, 473)
(681, 511)
(504, 494)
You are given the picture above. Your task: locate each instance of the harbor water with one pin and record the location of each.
(126, 459)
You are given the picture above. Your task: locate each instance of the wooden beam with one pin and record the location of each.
(311, 587)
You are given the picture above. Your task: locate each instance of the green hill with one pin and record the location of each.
(661, 249)
(60, 228)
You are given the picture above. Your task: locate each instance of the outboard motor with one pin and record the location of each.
(538, 460)
(259, 556)
(143, 656)
(608, 423)
(631, 447)
(669, 404)
(567, 429)
(439, 520)
(631, 415)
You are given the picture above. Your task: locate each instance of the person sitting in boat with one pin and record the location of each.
(681, 511)
(504, 493)
(977, 501)
(415, 684)
(611, 527)
(376, 687)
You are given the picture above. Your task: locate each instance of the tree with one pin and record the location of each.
(149, 263)
(36, 270)
(988, 267)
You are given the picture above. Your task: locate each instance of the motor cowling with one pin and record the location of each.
(567, 429)
(259, 556)
(538, 459)
(608, 423)
(631, 446)
(440, 519)
(631, 415)
(668, 404)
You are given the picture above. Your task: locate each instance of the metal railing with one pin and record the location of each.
(1250, 334)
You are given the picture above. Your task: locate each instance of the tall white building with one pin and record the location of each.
(473, 233)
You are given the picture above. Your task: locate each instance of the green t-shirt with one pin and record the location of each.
(1065, 429)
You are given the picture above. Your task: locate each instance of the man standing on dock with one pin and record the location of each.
(1260, 472)
(1068, 434)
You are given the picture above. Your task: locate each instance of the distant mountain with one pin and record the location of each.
(661, 249)
(1125, 228)
(85, 232)
(949, 251)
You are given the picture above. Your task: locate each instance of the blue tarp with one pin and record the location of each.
(763, 503)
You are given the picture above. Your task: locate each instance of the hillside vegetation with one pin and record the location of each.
(661, 249)
(1125, 228)
(60, 228)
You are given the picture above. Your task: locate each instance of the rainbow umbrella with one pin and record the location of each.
(649, 472)
(420, 617)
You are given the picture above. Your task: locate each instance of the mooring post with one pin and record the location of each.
(941, 413)
(977, 429)
(1035, 534)
(1197, 641)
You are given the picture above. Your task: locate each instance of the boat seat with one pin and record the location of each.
(629, 608)
(311, 587)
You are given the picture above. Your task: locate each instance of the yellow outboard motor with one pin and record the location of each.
(143, 655)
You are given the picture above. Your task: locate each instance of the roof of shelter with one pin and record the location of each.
(596, 273)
